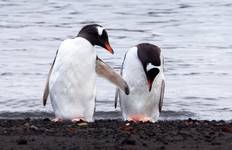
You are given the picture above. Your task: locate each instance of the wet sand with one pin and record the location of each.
(27, 134)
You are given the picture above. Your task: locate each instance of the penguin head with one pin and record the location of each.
(96, 35)
(149, 54)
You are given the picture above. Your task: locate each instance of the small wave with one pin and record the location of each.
(108, 115)
(228, 5)
(21, 115)
(6, 74)
(191, 97)
(163, 12)
(114, 115)
(127, 30)
(16, 50)
(159, 22)
(184, 6)
(205, 98)
(87, 22)
(123, 13)
(210, 98)
(14, 26)
(121, 37)
(224, 109)
(191, 73)
(74, 13)
(173, 115)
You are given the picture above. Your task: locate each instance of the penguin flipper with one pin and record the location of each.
(116, 98)
(117, 90)
(46, 90)
(107, 72)
(161, 95)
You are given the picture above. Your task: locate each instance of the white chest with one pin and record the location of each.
(72, 82)
(133, 72)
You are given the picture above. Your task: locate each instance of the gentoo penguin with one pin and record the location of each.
(71, 80)
(142, 69)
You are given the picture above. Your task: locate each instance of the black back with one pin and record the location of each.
(148, 53)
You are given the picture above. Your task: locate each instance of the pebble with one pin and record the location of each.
(227, 129)
(46, 119)
(33, 127)
(128, 141)
(27, 125)
(21, 141)
(82, 124)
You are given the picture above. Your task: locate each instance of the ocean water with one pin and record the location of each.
(195, 37)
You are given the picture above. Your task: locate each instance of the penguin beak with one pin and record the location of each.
(149, 84)
(108, 47)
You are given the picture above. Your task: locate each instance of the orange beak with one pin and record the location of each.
(108, 48)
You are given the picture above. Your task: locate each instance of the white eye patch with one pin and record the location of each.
(100, 30)
(150, 66)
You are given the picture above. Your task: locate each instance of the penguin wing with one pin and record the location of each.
(116, 98)
(107, 72)
(117, 89)
(46, 90)
(161, 95)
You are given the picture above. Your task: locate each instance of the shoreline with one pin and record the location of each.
(190, 134)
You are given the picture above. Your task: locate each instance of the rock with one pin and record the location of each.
(127, 124)
(190, 119)
(82, 124)
(46, 119)
(72, 131)
(144, 144)
(128, 141)
(127, 129)
(27, 125)
(226, 129)
(215, 143)
(162, 148)
(34, 127)
(48, 130)
(21, 141)
(27, 119)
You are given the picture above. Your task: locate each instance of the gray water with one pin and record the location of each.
(195, 37)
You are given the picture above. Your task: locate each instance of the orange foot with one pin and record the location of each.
(79, 119)
(57, 120)
(139, 117)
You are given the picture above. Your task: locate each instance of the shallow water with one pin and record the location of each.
(195, 38)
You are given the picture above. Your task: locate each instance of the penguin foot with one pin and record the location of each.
(138, 118)
(57, 120)
(79, 119)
